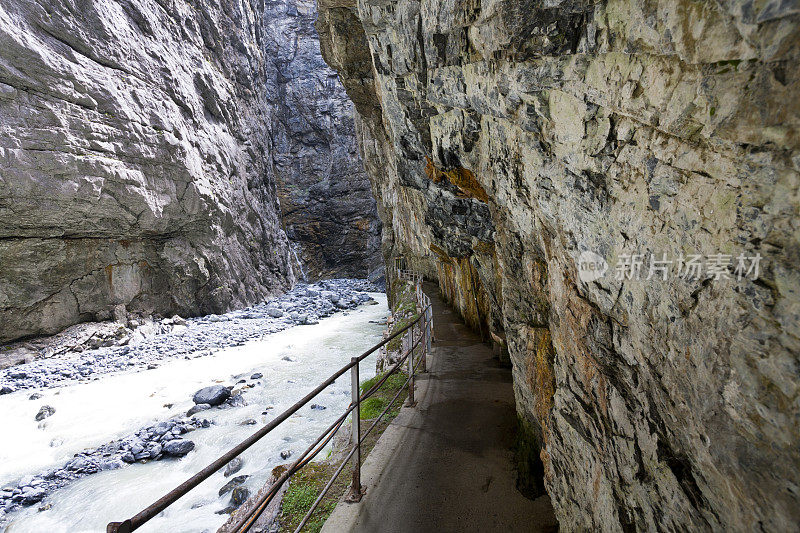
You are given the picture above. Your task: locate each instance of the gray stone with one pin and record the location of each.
(83, 465)
(198, 408)
(239, 496)
(44, 412)
(233, 466)
(178, 447)
(33, 495)
(214, 395)
(163, 427)
(274, 312)
(233, 483)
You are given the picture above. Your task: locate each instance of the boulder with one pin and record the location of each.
(239, 496)
(232, 484)
(178, 447)
(214, 395)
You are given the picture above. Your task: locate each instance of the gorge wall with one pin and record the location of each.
(506, 139)
(144, 145)
(327, 206)
(135, 161)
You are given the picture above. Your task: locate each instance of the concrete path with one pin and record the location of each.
(446, 465)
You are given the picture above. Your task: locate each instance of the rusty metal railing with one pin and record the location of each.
(424, 320)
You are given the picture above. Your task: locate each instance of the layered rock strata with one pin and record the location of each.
(134, 154)
(505, 139)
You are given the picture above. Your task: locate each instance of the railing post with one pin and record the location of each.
(424, 342)
(411, 401)
(429, 338)
(355, 488)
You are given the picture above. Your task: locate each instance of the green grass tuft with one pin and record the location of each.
(375, 404)
(298, 498)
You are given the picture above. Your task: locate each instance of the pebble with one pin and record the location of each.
(45, 412)
(233, 466)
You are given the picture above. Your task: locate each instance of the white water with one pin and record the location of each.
(88, 415)
(293, 249)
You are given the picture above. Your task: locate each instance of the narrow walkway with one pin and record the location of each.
(446, 466)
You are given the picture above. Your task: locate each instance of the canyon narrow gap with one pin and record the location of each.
(208, 207)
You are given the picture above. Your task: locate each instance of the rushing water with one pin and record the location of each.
(293, 247)
(91, 414)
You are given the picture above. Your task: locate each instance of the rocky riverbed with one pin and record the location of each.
(88, 350)
(109, 441)
(163, 440)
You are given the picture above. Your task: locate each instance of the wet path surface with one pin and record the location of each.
(447, 465)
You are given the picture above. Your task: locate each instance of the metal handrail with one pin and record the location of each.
(355, 493)
(171, 497)
(247, 521)
(361, 440)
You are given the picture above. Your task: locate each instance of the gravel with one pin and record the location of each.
(157, 340)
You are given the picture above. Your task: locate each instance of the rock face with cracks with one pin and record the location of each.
(506, 139)
(327, 206)
(134, 162)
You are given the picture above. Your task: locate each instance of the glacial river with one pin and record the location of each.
(90, 414)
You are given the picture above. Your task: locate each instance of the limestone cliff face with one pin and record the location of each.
(505, 139)
(134, 161)
(327, 206)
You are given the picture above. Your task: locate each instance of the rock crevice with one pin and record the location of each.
(327, 206)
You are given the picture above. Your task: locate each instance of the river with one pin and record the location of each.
(90, 414)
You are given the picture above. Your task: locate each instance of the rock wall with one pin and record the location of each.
(134, 161)
(327, 206)
(506, 139)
